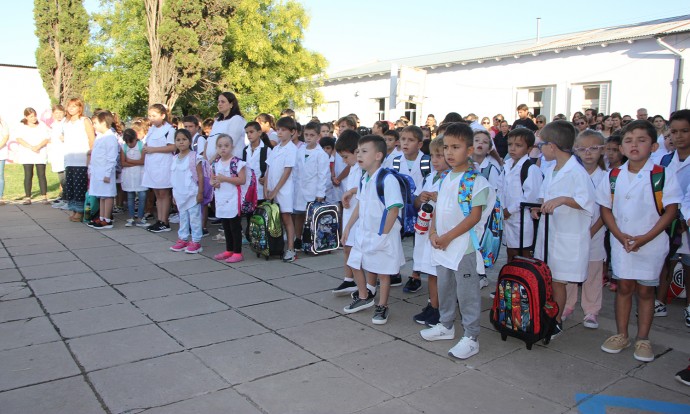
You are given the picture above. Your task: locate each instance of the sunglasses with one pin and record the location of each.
(540, 122)
(581, 123)
(486, 122)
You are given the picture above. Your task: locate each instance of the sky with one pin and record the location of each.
(356, 32)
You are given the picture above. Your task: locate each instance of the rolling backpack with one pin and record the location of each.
(408, 214)
(265, 231)
(321, 231)
(523, 305)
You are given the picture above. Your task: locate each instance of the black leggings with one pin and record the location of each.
(29, 176)
(233, 234)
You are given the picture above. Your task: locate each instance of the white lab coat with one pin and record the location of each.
(311, 173)
(635, 213)
(569, 238)
(681, 170)
(103, 161)
(229, 196)
(254, 162)
(512, 193)
(597, 252)
(157, 165)
(421, 254)
(280, 158)
(233, 127)
(184, 189)
(351, 181)
(415, 171)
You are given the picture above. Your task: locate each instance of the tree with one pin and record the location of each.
(63, 58)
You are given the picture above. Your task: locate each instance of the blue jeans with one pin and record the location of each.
(190, 218)
(2, 178)
(131, 195)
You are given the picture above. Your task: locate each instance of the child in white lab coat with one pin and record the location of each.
(102, 168)
(187, 193)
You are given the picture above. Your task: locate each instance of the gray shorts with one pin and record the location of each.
(651, 283)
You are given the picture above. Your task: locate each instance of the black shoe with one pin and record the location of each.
(396, 280)
(412, 285)
(204, 233)
(434, 317)
(298, 244)
(684, 376)
(217, 222)
(557, 331)
(345, 288)
(158, 227)
(359, 304)
(148, 216)
(355, 294)
(380, 315)
(421, 317)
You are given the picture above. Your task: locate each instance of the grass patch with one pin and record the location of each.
(14, 183)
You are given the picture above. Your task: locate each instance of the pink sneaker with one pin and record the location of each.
(193, 248)
(223, 256)
(236, 257)
(566, 313)
(179, 246)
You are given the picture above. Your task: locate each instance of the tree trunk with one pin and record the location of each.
(163, 78)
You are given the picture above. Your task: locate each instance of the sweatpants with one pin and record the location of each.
(460, 285)
(591, 290)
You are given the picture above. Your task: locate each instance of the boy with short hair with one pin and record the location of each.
(567, 193)
(279, 186)
(311, 174)
(392, 138)
(377, 246)
(639, 244)
(454, 253)
(346, 146)
(421, 256)
(523, 120)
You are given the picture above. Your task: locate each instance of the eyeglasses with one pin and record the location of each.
(485, 123)
(580, 123)
(626, 121)
(541, 145)
(584, 150)
(540, 122)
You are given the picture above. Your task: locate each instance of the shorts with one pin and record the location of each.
(563, 282)
(298, 212)
(650, 283)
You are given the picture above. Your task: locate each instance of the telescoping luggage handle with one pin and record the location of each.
(522, 228)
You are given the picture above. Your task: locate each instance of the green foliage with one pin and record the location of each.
(63, 57)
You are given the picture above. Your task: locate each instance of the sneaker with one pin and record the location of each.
(194, 248)
(92, 223)
(216, 222)
(438, 332)
(220, 237)
(614, 344)
(396, 280)
(420, 318)
(64, 206)
(58, 204)
(492, 294)
(566, 313)
(433, 318)
(174, 218)
(687, 316)
(684, 376)
(289, 256)
(205, 233)
(412, 285)
(158, 227)
(179, 246)
(659, 309)
(643, 350)
(236, 257)
(129, 223)
(141, 223)
(483, 281)
(345, 288)
(590, 321)
(118, 210)
(465, 348)
(557, 330)
(223, 256)
(58, 200)
(298, 244)
(104, 225)
(359, 304)
(148, 216)
(380, 315)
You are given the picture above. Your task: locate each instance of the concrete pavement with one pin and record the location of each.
(112, 321)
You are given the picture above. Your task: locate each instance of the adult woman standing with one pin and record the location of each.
(78, 137)
(228, 121)
(33, 137)
(607, 129)
(4, 138)
(540, 121)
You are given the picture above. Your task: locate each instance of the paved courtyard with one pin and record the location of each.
(112, 321)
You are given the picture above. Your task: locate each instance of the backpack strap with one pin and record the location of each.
(263, 155)
(666, 159)
(244, 153)
(486, 171)
(658, 177)
(380, 178)
(396, 163)
(425, 165)
(613, 176)
(192, 166)
(524, 171)
(465, 200)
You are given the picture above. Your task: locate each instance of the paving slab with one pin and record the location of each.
(27, 332)
(167, 256)
(209, 329)
(248, 294)
(106, 262)
(7, 263)
(246, 359)
(66, 283)
(273, 269)
(219, 402)
(95, 252)
(219, 279)
(306, 283)
(127, 345)
(81, 299)
(33, 364)
(14, 290)
(66, 396)
(85, 240)
(19, 309)
(639, 389)
(316, 388)
(154, 382)
(54, 269)
(662, 372)
(20, 231)
(27, 240)
(184, 268)
(44, 258)
(180, 306)
(149, 247)
(286, 313)
(321, 262)
(10, 275)
(393, 406)
(96, 320)
(50, 246)
(127, 274)
(156, 288)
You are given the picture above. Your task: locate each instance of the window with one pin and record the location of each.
(590, 95)
(381, 111)
(411, 112)
(538, 99)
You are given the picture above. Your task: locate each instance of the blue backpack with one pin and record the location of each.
(490, 243)
(407, 189)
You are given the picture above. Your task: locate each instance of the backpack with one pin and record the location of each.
(263, 155)
(524, 171)
(424, 164)
(666, 159)
(140, 147)
(247, 192)
(407, 189)
(195, 143)
(208, 188)
(490, 243)
(657, 177)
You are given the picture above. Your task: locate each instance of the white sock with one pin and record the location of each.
(371, 288)
(348, 279)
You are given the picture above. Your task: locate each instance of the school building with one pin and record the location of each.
(613, 69)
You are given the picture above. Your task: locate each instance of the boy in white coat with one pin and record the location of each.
(568, 195)
(639, 244)
(311, 175)
(102, 168)
(377, 246)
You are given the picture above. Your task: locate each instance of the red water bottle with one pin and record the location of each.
(424, 218)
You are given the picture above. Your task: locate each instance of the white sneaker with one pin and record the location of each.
(59, 204)
(289, 256)
(174, 218)
(483, 282)
(142, 223)
(659, 309)
(129, 223)
(465, 348)
(438, 332)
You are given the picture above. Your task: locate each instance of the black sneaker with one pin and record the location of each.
(158, 227)
(217, 222)
(355, 294)
(434, 317)
(345, 288)
(557, 330)
(380, 315)
(204, 233)
(359, 304)
(412, 285)
(684, 376)
(148, 216)
(298, 244)
(396, 280)
(420, 318)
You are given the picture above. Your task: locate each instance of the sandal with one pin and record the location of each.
(27, 201)
(77, 218)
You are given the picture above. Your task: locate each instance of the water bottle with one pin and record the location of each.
(424, 218)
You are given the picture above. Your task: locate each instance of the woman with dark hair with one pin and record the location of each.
(228, 121)
(78, 136)
(268, 127)
(379, 128)
(452, 117)
(33, 137)
(607, 126)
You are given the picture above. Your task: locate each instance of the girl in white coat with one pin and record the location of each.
(568, 195)
(159, 147)
(188, 194)
(102, 168)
